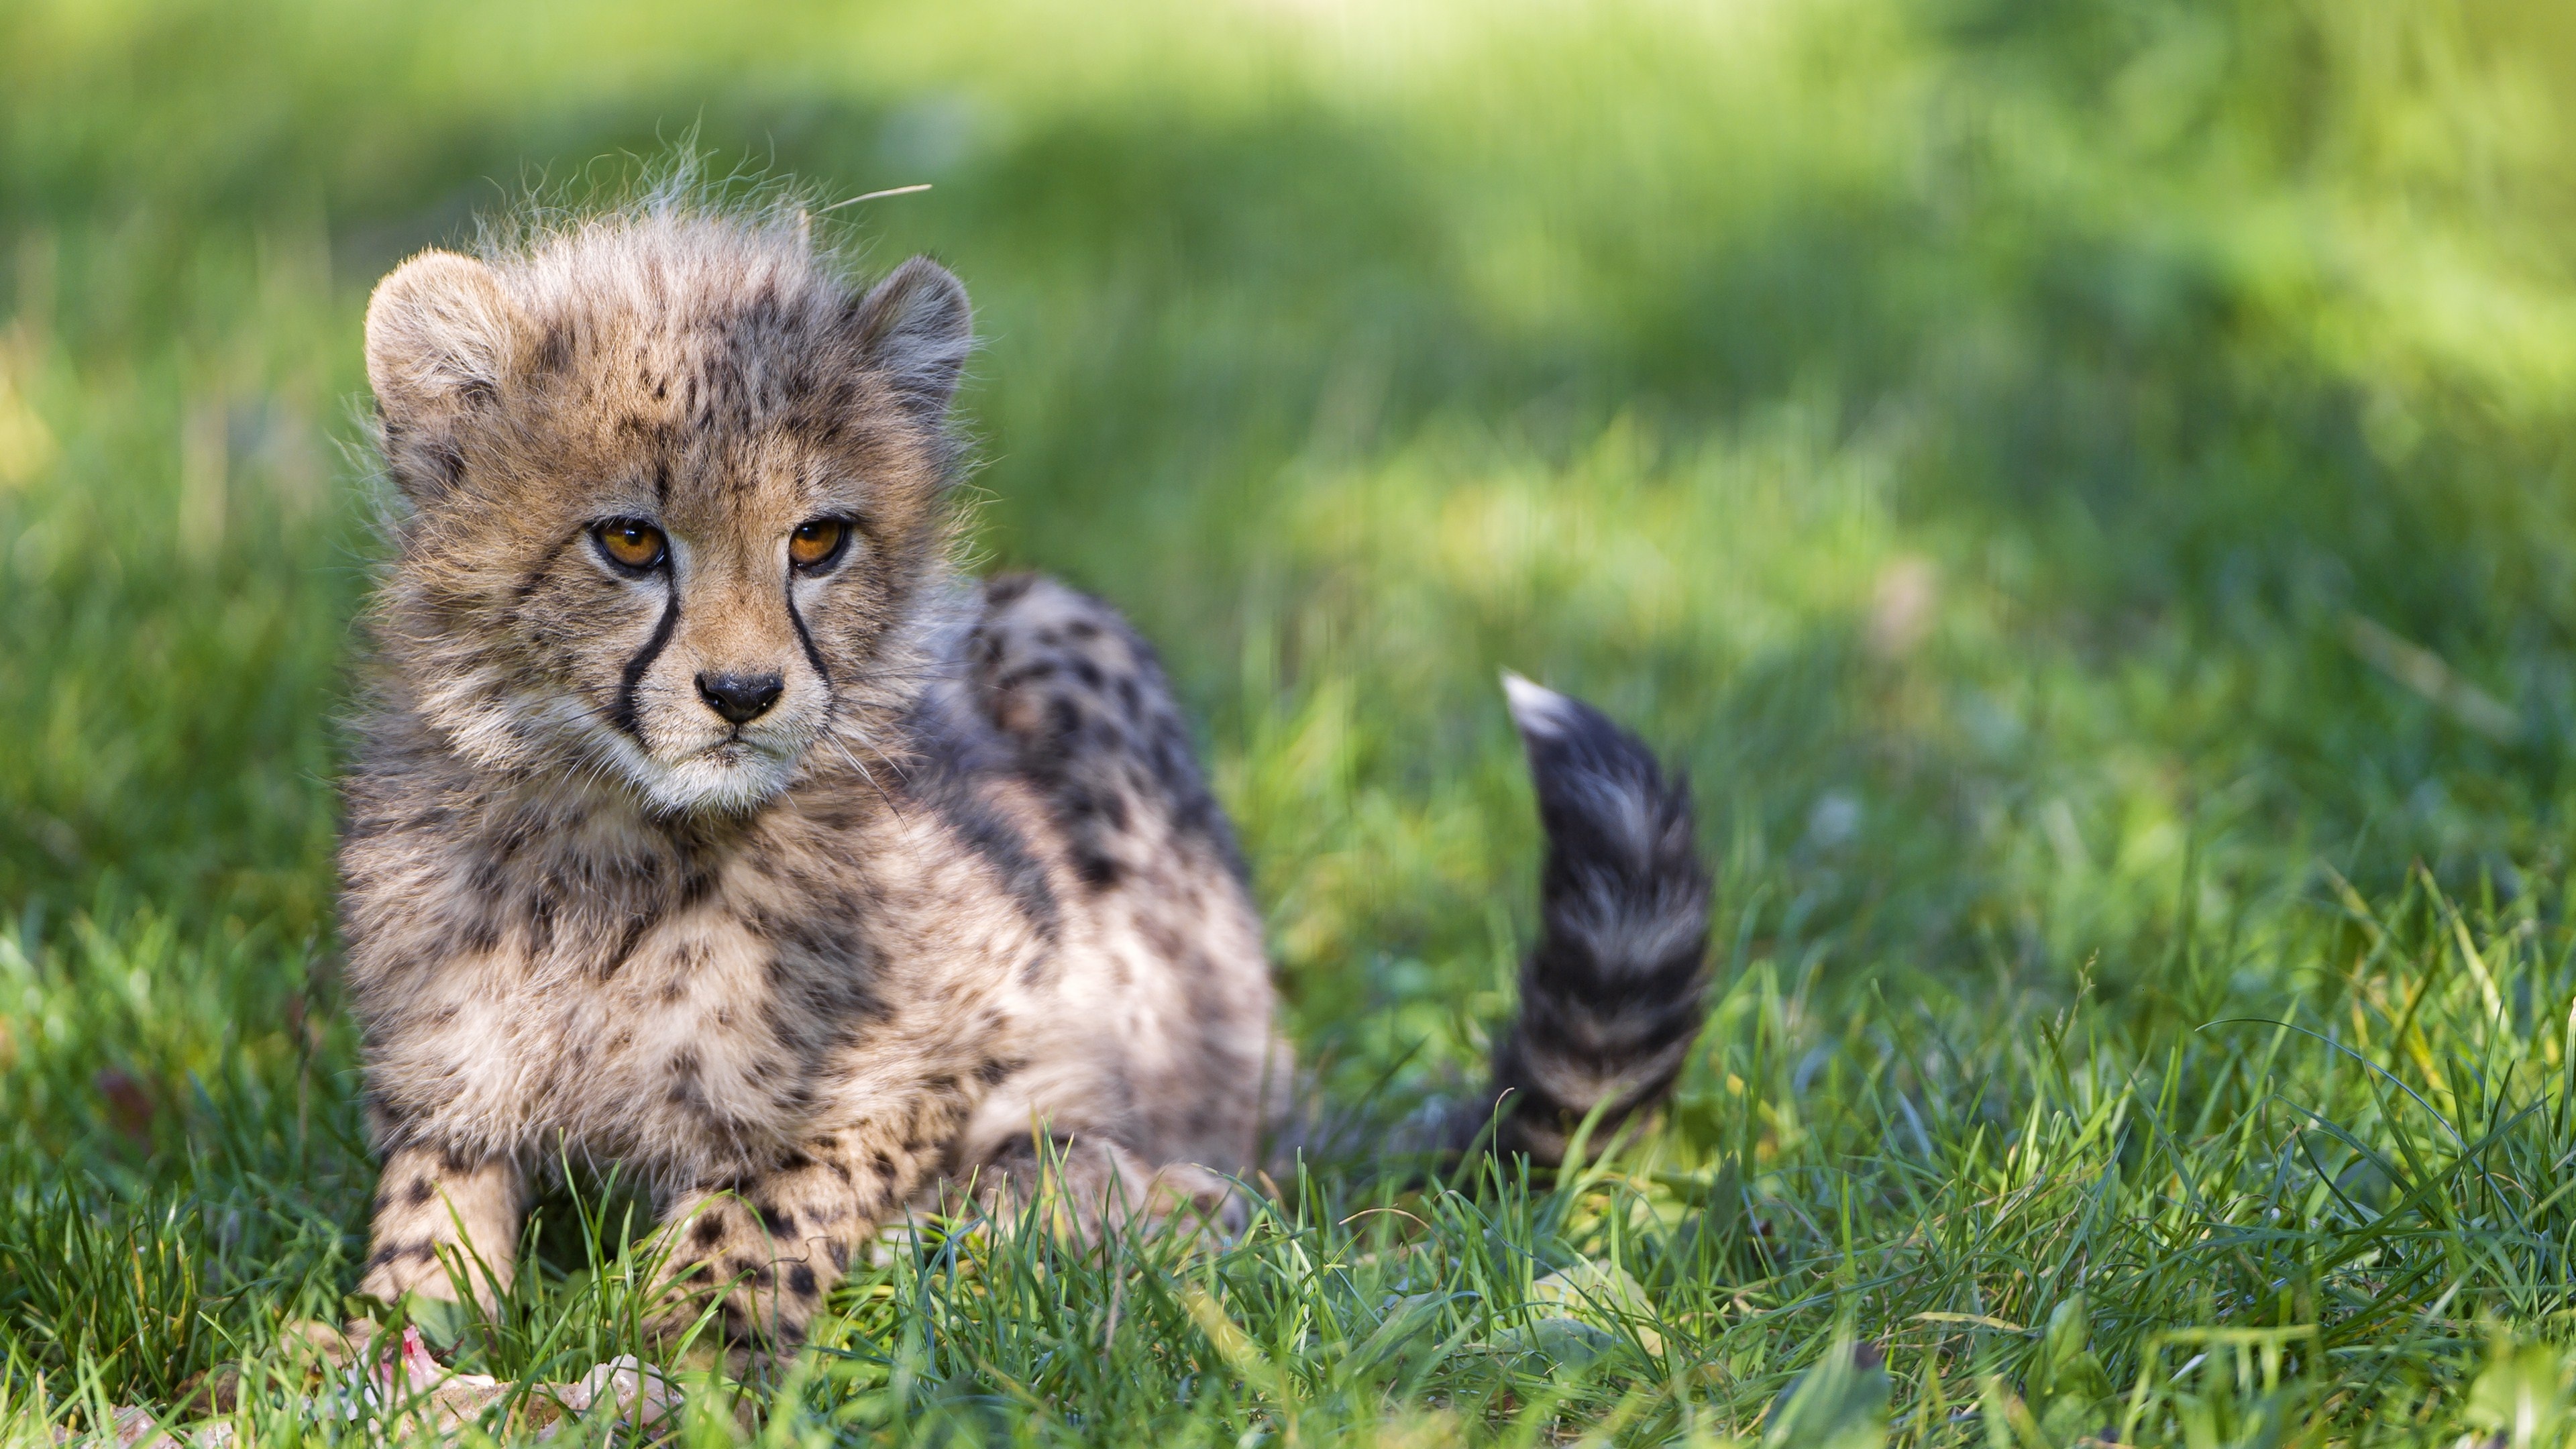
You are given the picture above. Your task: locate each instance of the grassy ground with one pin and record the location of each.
(2087, 488)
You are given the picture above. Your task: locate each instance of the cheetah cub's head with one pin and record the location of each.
(677, 501)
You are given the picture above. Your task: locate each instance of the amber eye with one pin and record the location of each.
(632, 543)
(816, 542)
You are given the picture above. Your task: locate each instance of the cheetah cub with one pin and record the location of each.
(707, 821)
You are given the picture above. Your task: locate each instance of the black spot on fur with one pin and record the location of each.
(422, 1190)
(696, 882)
(710, 1227)
(554, 347)
(438, 467)
(478, 934)
(1098, 871)
(800, 1281)
(535, 578)
(541, 919)
(685, 1090)
(636, 926)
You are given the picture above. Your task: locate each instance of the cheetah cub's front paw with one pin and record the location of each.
(763, 1283)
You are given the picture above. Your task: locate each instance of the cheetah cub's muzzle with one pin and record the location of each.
(723, 700)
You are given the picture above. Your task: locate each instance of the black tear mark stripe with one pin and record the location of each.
(633, 679)
(796, 616)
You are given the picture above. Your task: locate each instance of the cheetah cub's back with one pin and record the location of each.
(708, 822)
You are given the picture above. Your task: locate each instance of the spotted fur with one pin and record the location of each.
(943, 904)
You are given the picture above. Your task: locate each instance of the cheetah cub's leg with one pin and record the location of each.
(774, 1247)
(1085, 1186)
(432, 1207)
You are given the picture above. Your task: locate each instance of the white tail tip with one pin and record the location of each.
(1538, 710)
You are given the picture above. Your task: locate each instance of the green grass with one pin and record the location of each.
(2089, 489)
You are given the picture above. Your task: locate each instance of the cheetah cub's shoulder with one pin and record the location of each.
(708, 822)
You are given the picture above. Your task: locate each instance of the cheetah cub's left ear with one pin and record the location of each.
(914, 329)
(443, 340)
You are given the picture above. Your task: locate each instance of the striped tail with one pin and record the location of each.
(1614, 994)
(1611, 999)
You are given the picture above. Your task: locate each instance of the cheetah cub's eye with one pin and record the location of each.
(817, 542)
(631, 543)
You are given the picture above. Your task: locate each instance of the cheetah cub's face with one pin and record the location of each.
(672, 516)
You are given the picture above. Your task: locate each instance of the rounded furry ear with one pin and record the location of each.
(915, 328)
(441, 338)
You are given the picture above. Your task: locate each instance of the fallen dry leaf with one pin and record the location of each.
(644, 1398)
(404, 1383)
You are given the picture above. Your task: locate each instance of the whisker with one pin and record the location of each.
(864, 775)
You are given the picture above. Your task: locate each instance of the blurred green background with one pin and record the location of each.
(2071, 480)
(2007, 450)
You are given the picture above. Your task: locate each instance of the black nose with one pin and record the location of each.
(741, 698)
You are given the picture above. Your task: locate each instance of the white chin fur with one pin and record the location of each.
(704, 781)
(702, 784)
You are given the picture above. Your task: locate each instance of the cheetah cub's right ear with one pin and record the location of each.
(442, 340)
